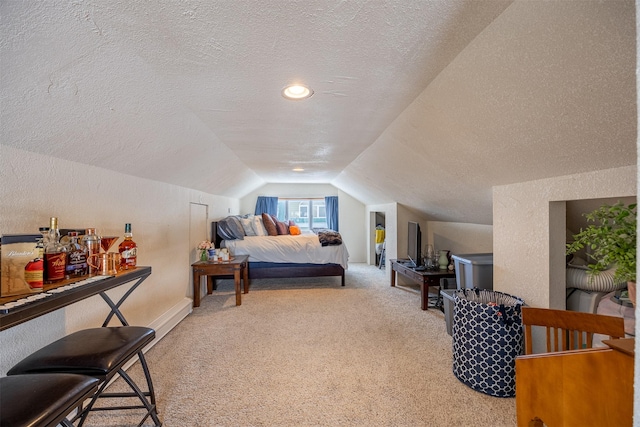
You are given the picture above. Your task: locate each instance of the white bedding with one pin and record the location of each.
(301, 249)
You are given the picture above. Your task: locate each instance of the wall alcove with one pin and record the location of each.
(585, 299)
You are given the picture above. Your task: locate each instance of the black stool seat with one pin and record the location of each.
(42, 399)
(100, 353)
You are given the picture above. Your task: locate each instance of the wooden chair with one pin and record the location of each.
(569, 330)
(552, 387)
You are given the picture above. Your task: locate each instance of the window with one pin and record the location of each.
(306, 213)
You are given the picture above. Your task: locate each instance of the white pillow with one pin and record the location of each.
(247, 226)
(258, 226)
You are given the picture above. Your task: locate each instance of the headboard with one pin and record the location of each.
(215, 237)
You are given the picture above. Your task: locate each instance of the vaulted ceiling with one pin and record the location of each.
(426, 103)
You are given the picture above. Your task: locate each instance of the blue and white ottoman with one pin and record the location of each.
(487, 338)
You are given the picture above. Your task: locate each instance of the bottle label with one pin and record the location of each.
(128, 258)
(34, 274)
(77, 263)
(128, 262)
(56, 264)
(129, 253)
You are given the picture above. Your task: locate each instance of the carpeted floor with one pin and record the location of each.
(308, 352)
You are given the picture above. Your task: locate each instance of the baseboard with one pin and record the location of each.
(170, 320)
(165, 323)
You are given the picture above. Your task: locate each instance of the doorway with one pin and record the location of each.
(377, 238)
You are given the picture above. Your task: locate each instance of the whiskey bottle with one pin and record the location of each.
(55, 257)
(43, 242)
(34, 274)
(76, 257)
(128, 250)
(34, 270)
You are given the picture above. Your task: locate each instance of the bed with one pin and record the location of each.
(285, 255)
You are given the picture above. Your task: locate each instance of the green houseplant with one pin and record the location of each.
(611, 240)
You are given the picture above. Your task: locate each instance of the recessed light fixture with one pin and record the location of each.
(298, 169)
(296, 92)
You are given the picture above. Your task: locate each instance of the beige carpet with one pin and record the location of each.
(308, 352)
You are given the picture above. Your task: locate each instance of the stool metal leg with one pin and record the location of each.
(115, 307)
(148, 404)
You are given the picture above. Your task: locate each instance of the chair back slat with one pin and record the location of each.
(527, 339)
(569, 330)
(560, 343)
(572, 339)
(589, 342)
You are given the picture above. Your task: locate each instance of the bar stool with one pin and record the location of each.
(100, 353)
(43, 400)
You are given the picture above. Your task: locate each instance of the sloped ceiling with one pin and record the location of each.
(547, 89)
(425, 103)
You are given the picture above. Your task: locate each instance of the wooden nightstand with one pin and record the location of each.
(237, 267)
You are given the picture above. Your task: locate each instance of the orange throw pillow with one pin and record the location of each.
(294, 230)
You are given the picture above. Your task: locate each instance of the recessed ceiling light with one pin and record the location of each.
(298, 169)
(296, 92)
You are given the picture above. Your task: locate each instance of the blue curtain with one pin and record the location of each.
(331, 206)
(266, 204)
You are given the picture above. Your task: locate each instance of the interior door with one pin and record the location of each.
(198, 231)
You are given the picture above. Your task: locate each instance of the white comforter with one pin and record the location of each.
(301, 249)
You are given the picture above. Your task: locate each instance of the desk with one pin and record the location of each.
(56, 300)
(425, 279)
(236, 267)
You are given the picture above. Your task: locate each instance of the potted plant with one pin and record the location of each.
(611, 240)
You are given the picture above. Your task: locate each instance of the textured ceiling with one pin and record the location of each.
(425, 103)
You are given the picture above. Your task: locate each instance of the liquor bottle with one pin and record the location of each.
(43, 242)
(92, 242)
(128, 250)
(55, 257)
(34, 274)
(76, 257)
(34, 270)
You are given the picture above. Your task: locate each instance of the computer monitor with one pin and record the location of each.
(414, 243)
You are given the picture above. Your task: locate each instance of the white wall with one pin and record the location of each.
(460, 238)
(35, 187)
(352, 228)
(351, 211)
(529, 230)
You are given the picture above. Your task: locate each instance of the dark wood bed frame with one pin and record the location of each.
(274, 270)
